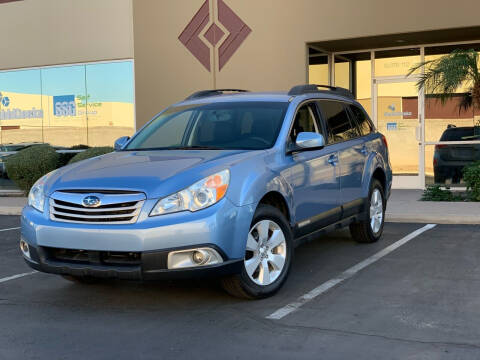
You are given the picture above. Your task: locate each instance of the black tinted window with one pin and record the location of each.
(361, 117)
(338, 123)
(466, 133)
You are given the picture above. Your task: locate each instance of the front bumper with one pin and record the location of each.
(152, 266)
(223, 227)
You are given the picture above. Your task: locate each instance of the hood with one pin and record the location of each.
(156, 173)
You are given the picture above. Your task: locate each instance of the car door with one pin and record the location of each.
(345, 136)
(312, 175)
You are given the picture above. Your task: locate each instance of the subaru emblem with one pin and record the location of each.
(91, 201)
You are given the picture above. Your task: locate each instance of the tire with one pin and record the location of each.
(368, 231)
(80, 279)
(261, 250)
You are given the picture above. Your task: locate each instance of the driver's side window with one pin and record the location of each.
(305, 121)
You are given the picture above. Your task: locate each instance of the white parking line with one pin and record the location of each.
(15, 228)
(347, 274)
(17, 276)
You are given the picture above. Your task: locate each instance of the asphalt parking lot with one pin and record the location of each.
(419, 301)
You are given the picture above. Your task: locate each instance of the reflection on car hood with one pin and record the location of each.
(156, 173)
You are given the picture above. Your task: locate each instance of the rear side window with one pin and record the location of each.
(339, 126)
(363, 122)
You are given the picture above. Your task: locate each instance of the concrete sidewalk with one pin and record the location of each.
(403, 206)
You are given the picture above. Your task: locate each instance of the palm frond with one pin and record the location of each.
(446, 74)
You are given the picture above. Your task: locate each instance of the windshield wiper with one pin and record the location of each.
(195, 147)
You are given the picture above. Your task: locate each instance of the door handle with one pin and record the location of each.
(333, 160)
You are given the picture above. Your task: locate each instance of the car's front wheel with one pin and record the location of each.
(268, 256)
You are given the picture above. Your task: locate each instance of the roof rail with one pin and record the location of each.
(213, 92)
(313, 88)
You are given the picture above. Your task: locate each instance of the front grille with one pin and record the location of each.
(89, 257)
(115, 208)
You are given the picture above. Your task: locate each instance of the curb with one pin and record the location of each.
(433, 219)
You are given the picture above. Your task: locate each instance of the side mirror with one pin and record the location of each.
(120, 142)
(310, 140)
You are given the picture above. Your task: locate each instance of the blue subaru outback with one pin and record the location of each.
(225, 183)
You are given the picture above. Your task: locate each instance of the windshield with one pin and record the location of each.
(230, 125)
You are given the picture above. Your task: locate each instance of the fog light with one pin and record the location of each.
(25, 249)
(200, 257)
(193, 258)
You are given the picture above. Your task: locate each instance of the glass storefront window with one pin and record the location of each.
(396, 62)
(64, 124)
(397, 113)
(90, 104)
(318, 69)
(109, 102)
(21, 107)
(342, 72)
(439, 117)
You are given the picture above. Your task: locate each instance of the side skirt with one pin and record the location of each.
(329, 228)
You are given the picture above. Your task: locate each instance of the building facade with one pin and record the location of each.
(105, 67)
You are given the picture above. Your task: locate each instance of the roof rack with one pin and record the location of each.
(213, 92)
(313, 88)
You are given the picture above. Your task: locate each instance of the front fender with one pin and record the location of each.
(251, 181)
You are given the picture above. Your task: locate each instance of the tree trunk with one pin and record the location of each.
(476, 95)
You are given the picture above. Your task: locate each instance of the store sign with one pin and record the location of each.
(392, 112)
(64, 105)
(11, 113)
(392, 126)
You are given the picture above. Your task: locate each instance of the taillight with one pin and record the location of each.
(440, 147)
(384, 139)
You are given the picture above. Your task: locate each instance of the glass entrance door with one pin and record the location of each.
(398, 115)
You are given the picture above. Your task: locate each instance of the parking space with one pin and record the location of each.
(420, 301)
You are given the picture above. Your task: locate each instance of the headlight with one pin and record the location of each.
(200, 195)
(36, 196)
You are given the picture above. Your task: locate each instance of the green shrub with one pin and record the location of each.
(30, 164)
(64, 158)
(89, 153)
(471, 175)
(435, 193)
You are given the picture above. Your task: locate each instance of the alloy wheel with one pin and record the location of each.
(265, 253)
(376, 211)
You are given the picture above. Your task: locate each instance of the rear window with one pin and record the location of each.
(461, 134)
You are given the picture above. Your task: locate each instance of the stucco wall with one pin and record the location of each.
(50, 32)
(273, 56)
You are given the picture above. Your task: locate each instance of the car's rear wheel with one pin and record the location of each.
(268, 256)
(370, 229)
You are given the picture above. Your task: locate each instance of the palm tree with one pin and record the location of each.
(443, 76)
